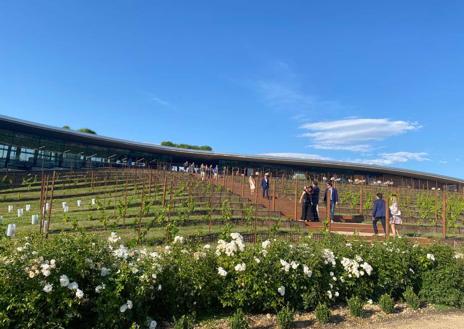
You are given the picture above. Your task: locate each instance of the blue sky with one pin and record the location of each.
(370, 81)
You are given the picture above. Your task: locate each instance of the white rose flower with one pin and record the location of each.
(79, 293)
(123, 308)
(281, 290)
(179, 239)
(307, 271)
(99, 288)
(113, 238)
(104, 271)
(73, 285)
(266, 244)
(129, 304)
(64, 280)
(222, 272)
(152, 324)
(240, 267)
(48, 288)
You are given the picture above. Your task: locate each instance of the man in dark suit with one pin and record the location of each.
(315, 201)
(265, 185)
(331, 192)
(378, 213)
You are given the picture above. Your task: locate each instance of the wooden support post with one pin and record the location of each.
(443, 215)
(436, 207)
(141, 213)
(361, 208)
(150, 182)
(387, 218)
(243, 186)
(327, 211)
(164, 190)
(170, 199)
(274, 194)
(51, 203)
(296, 200)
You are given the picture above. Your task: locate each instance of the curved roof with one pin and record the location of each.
(66, 134)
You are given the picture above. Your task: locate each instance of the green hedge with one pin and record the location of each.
(80, 281)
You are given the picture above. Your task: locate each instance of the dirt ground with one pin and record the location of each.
(403, 318)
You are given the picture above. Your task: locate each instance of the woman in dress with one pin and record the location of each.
(305, 201)
(395, 218)
(252, 183)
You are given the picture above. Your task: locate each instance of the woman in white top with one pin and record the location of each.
(252, 183)
(395, 218)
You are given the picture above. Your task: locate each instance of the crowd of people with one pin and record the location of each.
(309, 198)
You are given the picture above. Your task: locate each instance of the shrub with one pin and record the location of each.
(184, 322)
(387, 304)
(285, 317)
(411, 298)
(442, 279)
(113, 286)
(238, 320)
(355, 305)
(322, 313)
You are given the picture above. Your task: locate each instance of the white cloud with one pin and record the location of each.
(297, 156)
(387, 159)
(354, 134)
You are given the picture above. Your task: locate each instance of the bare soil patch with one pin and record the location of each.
(403, 318)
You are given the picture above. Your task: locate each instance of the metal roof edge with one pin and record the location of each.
(247, 157)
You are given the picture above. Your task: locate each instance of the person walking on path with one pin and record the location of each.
(265, 185)
(395, 218)
(331, 192)
(305, 201)
(378, 213)
(252, 183)
(315, 201)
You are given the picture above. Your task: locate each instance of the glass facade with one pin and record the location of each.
(24, 147)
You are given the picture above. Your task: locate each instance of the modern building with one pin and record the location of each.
(26, 145)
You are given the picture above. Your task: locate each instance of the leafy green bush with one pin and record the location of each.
(184, 322)
(411, 298)
(82, 280)
(442, 277)
(387, 304)
(322, 313)
(285, 317)
(238, 320)
(355, 305)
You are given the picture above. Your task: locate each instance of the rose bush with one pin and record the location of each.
(83, 281)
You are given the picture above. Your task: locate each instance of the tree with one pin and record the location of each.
(187, 146)
(87, 131)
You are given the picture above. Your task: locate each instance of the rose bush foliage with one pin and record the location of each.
(83, 281)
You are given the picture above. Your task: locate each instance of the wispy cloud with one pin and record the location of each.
(388, 159)
(354, 134)
(297, 155)
(158, 100)
(281, 89)
(280, 94)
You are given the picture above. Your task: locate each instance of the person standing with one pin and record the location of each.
(265, 185)
(378, 213)
(315, 201)
(252, 183)
(202, 172)
(331, 192)
(395, 218)
(305, 201)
